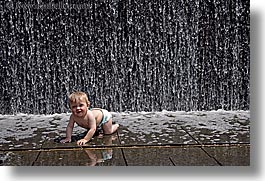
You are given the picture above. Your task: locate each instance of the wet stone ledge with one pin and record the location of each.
(168, 138)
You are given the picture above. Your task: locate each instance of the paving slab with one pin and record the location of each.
(18, 158)
(168, 156)
(81, 157)
(213, 127)
(151, 129)
(23, 131)
(234, 155)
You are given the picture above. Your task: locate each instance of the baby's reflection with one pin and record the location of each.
(101, 155)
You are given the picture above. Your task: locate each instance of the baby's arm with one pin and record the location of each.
(91, 131)
(69, 130)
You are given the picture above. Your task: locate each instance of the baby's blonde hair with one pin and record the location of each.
(75, 96)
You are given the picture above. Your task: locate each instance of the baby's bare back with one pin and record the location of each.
(98, 114)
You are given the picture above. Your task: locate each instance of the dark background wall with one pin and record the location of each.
(130, 55)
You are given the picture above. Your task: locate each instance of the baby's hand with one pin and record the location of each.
(82, 142)
(66, 140)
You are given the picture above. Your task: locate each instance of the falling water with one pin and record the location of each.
(130, 55)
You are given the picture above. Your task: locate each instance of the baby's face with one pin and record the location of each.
(79, 108)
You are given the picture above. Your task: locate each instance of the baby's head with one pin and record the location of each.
(77, 97)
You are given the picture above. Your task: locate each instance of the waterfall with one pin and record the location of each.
(131, 55)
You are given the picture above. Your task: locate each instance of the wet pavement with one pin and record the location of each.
(199, 138)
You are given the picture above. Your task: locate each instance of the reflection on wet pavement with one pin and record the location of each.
(168, 138)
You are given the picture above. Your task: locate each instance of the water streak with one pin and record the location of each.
(127, 55)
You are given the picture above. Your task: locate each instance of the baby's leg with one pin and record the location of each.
(108, 128)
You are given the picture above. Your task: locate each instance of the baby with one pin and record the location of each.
(87, 118)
